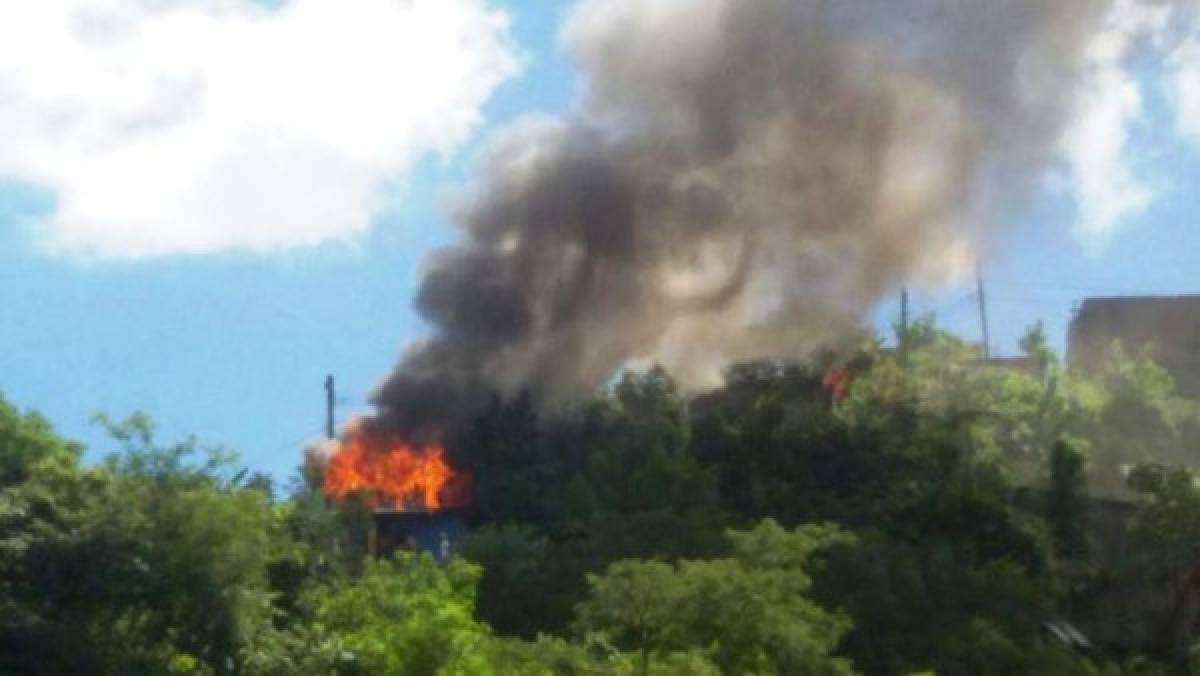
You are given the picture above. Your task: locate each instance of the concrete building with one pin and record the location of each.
(1166, 326)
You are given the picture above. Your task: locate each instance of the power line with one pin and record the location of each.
(1088, 289)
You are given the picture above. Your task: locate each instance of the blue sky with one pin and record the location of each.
(233, 347)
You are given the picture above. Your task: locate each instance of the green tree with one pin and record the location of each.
(1065, 500)
(28, 444)
(404, 616)
(558, 499)
(1138, 419)
(526, 577)
(751, 612)
(1166, 534)
(592, 656)
(151, 559)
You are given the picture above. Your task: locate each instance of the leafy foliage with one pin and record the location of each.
(646, 532)
(134, 565)
(561, 499)
(751, 612)
(404, 616)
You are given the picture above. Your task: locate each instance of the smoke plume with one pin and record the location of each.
(740, 179)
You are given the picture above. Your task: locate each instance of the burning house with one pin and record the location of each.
(417, 499)
(746, 189)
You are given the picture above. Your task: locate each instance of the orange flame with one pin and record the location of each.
(393, 470)
(836, 382)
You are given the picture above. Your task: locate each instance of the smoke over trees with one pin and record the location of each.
(738, 180)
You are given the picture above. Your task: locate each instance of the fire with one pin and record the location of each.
(836, 382)
(397, 473)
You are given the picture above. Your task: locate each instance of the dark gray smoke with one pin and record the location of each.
(742, 178)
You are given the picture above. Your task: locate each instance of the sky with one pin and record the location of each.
(142, 270)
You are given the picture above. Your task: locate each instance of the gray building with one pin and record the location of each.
(1166, 326)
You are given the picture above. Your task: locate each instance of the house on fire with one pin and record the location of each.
(436, 532)
(418, 500)
(413, 525)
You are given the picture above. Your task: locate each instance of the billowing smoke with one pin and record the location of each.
(740, 179)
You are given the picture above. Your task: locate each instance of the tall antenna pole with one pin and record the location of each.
(329, 432)
(983, 318)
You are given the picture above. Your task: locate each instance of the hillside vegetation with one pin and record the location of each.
(923, 512)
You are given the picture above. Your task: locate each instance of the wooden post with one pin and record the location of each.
(983, 319)
(329, 431)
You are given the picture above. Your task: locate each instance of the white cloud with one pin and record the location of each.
(1184, 78)
(194, 126)
(1105, 188)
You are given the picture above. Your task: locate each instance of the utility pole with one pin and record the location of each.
(329, 432)
(983, 319)
(903, 337)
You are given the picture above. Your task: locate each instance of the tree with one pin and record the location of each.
(28, 444)
(1065, 500)
(609, 480)
(750, 612)
(149, 560)
(47, 557)
(1034, 344)
(1166, 532)
(404, 616)
(1138, 419)
(592, 656)
(526, 578)
(777, 451)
